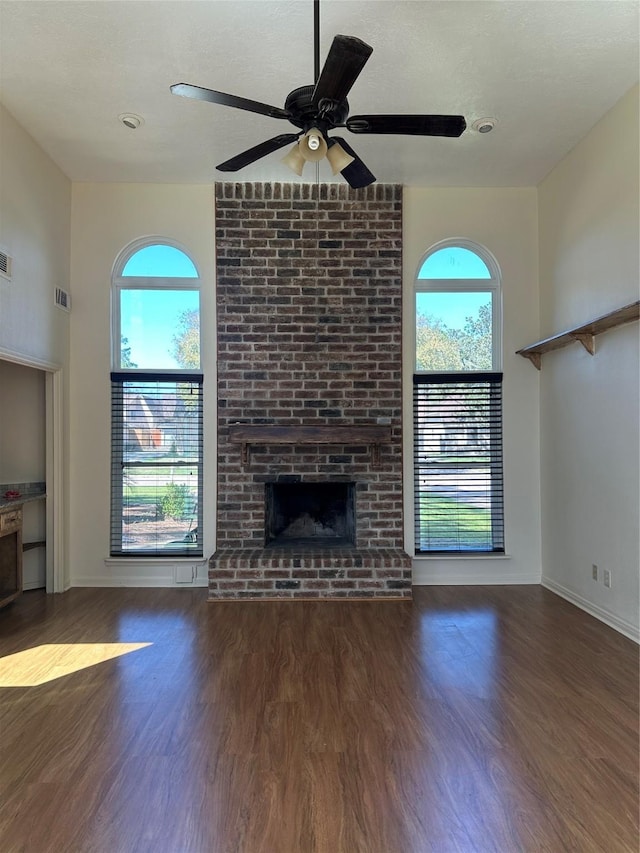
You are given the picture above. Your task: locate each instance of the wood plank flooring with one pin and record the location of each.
(473, 719)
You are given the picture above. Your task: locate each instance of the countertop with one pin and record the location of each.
(28, 492)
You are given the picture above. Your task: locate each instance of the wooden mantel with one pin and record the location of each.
(584, 334)
(371, 435)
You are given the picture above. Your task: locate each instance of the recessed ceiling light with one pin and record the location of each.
(130, 120)
(484, 125)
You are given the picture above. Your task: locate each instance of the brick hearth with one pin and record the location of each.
(309, 335)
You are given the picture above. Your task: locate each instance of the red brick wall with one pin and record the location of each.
(309, 332)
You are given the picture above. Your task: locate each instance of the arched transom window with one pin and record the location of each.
(156, 310)
(458, 304)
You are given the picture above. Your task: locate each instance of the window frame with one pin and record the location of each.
(118, 373)
(493, 285)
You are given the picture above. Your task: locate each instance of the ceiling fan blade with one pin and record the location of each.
(408, 125)
(356, 174)
(258, 151)
(200, 94)
(346, 59)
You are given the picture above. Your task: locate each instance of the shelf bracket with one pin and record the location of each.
(535, 358)
(587, 340)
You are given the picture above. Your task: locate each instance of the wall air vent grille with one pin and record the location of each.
(62, 299)
(5, 265)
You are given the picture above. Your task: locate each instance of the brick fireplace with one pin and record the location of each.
(309, 314)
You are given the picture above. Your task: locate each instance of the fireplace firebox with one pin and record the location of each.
(310, 514)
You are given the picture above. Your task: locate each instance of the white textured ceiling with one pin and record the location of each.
(547, 71)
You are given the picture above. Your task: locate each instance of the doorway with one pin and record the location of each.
(31, 457)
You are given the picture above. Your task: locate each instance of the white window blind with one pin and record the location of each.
(156, 483)
(459, 505)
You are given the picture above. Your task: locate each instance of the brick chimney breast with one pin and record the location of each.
(309, 334)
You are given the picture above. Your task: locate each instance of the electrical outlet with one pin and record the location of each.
(594, 572)
(606, 578)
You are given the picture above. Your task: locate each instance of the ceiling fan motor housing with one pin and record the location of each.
(303, 113)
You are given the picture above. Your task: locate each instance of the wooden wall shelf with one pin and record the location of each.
(372, 436)
(583, 334)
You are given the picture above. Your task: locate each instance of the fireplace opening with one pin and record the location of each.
(310, 514)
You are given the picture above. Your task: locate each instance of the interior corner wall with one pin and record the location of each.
(504, 221)
(589, 225)
(105, 219)
(35, 231)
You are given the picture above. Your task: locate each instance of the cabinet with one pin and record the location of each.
(10, 553)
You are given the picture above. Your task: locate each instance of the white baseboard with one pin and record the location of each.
(148, 572)
(137, 581)
(447, 573)
(621, 625)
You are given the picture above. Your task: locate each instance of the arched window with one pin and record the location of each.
(156, 386)
(457, 402)
(458, 310)
(155, 309)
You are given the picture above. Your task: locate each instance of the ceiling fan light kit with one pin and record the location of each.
(338, 158)
(321, 108)
(294, 160)
(312, 146)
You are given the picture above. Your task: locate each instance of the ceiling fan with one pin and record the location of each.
(321, 108)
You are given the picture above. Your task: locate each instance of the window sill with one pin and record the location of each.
(122, 561)
(429, 557)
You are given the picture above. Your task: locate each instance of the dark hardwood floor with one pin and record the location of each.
(473, 719)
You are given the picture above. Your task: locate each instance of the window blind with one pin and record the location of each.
(459, 502)
(156, 451)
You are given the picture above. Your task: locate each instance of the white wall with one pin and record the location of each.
(35, 221)
(589, 226)
(35, 230)
(505, 222)
(105, 219)
(22, 424)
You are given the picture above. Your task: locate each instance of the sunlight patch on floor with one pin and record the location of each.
(48, 662)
